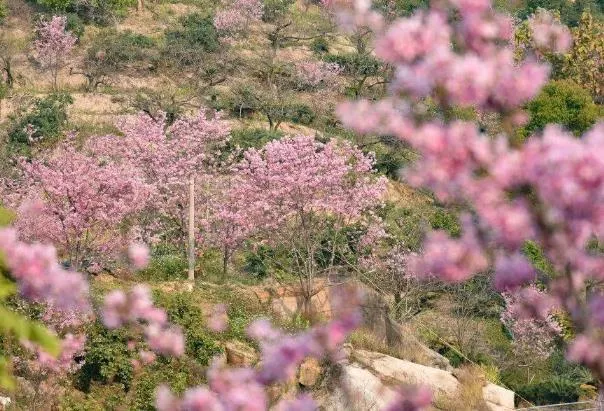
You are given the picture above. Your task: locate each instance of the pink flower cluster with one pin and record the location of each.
(237, 16)
(136, 308)
(39, 276)
(549, 189)
(532, 337)
(314, 74)
(74, 201)
(72, 346)
(300, 175)
(168, 156)
(484, 75)
(548, 34)
(53, 44)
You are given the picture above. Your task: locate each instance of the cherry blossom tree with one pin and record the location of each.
(533, 339)
(168, 157)
(53, 45)
(314, 74)
(549, 189)
(293, 190)
(237, 16)
(78, 202)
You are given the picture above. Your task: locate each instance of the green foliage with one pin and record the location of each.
(47, 115)
(535, 256)
(441, 219)
(551, 391)
(254, 137)
(585, 63)
(183, 311)
(188, 44)
(3, 10)
(399, 8)
(275, 9)
(165, 267)
(355, 64)
(120, 51)
(75, 24)
(562, 102)
(258, 261)
(107, 359)
(477, 298)
(570, 11)
(177, 374)
(319, 45)
(300, 114)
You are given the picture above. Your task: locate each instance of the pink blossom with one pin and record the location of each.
(548, 33)
(53, 45)
(411, 399)
(139, 255)
(452, 260)
(219, 319)
(40, 277)
(237, 16)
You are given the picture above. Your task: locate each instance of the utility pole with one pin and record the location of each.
(191, 228)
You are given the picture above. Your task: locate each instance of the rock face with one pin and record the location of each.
(393, 369)
(239, 354)
(370, 378)
(310, 371)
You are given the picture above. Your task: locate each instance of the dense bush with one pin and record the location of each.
(570, 11)
(165, 267)
(107, 359)
(274, 9)
(354, 63)
(552, 391)
(45, 118)
(562, 102)
(254, 137)
(258, 261)
(185, 312)
(320, 45)
(75, 25)
(300, 114)
(188, 44)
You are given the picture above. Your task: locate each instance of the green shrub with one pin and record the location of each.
(75, 24)
(177, 374)
(197, 32)
(107, 359)
(274, 9)
(3, 10)
(562, 102)
(319, 45)
(355, 64)
(257, 262)
(254, 137)
(165, 267)
(443, 220)
(120, 51)
(300, 114)
(46, 117)
(552, 391)
(185, 312)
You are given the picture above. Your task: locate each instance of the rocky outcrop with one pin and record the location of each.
(239, 354)
(310, 372)
(369, 380)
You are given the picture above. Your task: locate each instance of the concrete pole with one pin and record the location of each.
(192, 228)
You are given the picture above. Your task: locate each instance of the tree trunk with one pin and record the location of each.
(225, 262)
